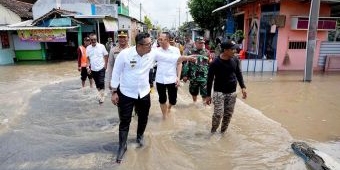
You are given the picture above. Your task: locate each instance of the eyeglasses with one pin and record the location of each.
(146, 44)
(93, 39)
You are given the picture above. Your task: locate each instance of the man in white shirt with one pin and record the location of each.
(168, 73)
(97, 57)
(130, 87)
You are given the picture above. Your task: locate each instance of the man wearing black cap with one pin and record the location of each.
(225, 72)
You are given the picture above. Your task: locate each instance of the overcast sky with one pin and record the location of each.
(163, 12)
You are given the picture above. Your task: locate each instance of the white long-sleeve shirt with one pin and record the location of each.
(167, 64)
(131, 73)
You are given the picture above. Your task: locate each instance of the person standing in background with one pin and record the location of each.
(123, 42)
(109, 44)
(82, 63)
(97, 57)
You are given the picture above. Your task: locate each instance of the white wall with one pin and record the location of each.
(7, 54)
(25, 45)
(124, 22)
(41, 7)
(8, 17)
(83, 7)
(258, 65)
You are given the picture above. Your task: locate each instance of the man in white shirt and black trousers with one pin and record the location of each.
(130, 87)
(97, 57)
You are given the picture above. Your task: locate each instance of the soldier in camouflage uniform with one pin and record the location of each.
(197, 73)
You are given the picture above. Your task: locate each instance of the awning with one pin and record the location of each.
(7, 28)
(110, 24)
(226, 6)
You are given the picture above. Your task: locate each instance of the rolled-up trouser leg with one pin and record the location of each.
(229, 105)
(218, 99)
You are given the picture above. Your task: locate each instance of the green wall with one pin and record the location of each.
(30, 55)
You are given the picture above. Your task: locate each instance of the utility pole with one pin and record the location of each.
(187, 16)
(140, 12)
(311, 39)
(179, 16)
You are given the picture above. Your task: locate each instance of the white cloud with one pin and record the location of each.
(162, 12)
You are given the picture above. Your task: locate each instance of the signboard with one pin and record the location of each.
(43, 35)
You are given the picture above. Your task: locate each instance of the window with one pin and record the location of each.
(297, 45)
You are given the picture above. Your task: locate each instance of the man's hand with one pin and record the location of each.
(88, 70)
(192, 58)
(208, 100)
(244, 93)
(177, 82)
(185, 79)
(79, 68)
(110, 88)
(114, 98)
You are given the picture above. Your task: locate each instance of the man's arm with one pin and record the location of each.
(179, 72)
(106, 58)
(118, 68)
(110, 64)
(239, 77)
(117, 71)
(186, 58)
(210, 79)
(79, 57)
(238, 73)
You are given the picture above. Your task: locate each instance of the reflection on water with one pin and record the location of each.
(307, 110)
(48, 122)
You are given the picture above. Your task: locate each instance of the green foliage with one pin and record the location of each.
(238, 35)
(148, 23)
(201, 12)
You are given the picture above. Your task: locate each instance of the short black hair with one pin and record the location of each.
(139, 39)
(167, 35)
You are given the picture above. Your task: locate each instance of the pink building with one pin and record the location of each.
(276, 33)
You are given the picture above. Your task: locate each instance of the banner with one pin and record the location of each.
(43, 35)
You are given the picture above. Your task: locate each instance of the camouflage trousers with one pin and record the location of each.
(223, 109)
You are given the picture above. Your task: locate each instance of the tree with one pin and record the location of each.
(148, 23)
(201, 12)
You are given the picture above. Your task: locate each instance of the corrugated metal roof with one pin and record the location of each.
(60, 12)
(7, 28)
(27, 23)
(23, 9)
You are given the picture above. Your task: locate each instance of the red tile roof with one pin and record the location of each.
(23, 9)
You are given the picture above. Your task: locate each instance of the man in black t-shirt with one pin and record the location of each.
(225, 72)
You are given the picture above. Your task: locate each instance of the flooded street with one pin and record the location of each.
(48, 122)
